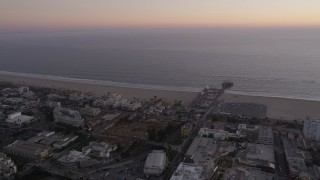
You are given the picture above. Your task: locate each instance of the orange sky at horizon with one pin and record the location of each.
(66, 14)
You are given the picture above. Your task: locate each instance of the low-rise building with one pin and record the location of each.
(99, 103)
(202, 151)
(248, 173)
(7, 166)
(127, 105)
(156, 163)
(188, 171)
(53, 104)
(251, 132)
(75, 159)
(14, 101)
(67, 116)
(90, 111)
(27, 150)
(248, 127)
(18, 119)
(102, 148)
(56, 140)
(259, 155)
(55, 97)
(214, 133)
(23, 89)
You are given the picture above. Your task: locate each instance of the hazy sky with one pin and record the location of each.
(74, 14)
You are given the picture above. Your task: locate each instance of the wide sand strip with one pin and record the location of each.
(280, 108)
(100, 89)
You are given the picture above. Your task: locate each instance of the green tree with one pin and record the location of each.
(152, 133)
(161, 135)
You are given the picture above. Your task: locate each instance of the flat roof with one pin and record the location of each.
(260, 152)
(187, 171)
(156, 159)
(28, 147)
(252, 174)
(201, 149)
(20, 119)
(266, 132)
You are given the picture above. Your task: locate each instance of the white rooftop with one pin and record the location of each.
(20, 119)
(260, 152)
(201, 150)
(156, 159)
(187, 171)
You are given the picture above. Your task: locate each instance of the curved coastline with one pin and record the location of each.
(98, 87)
(101, 82)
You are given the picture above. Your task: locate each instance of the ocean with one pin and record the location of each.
(269, 62)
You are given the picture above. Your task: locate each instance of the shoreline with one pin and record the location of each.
(262, 94)
(100, 88)
(281, 108)
(101, 82)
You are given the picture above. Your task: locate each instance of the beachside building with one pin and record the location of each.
(23, 89)
(67, 116)
(7, 166)
(246, 127)
(127, 105)
(188, 171)
(53, 104)
(156, 163)
(90, 111)
(27, 150)
(99, 103)
(55, 97)
(311, 130)
(18, 119)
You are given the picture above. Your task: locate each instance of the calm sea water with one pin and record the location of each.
(272, 62)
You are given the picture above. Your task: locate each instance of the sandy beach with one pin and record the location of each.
(280, 108)
(96, 88)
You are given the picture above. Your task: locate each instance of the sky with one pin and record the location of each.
(84, 14)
